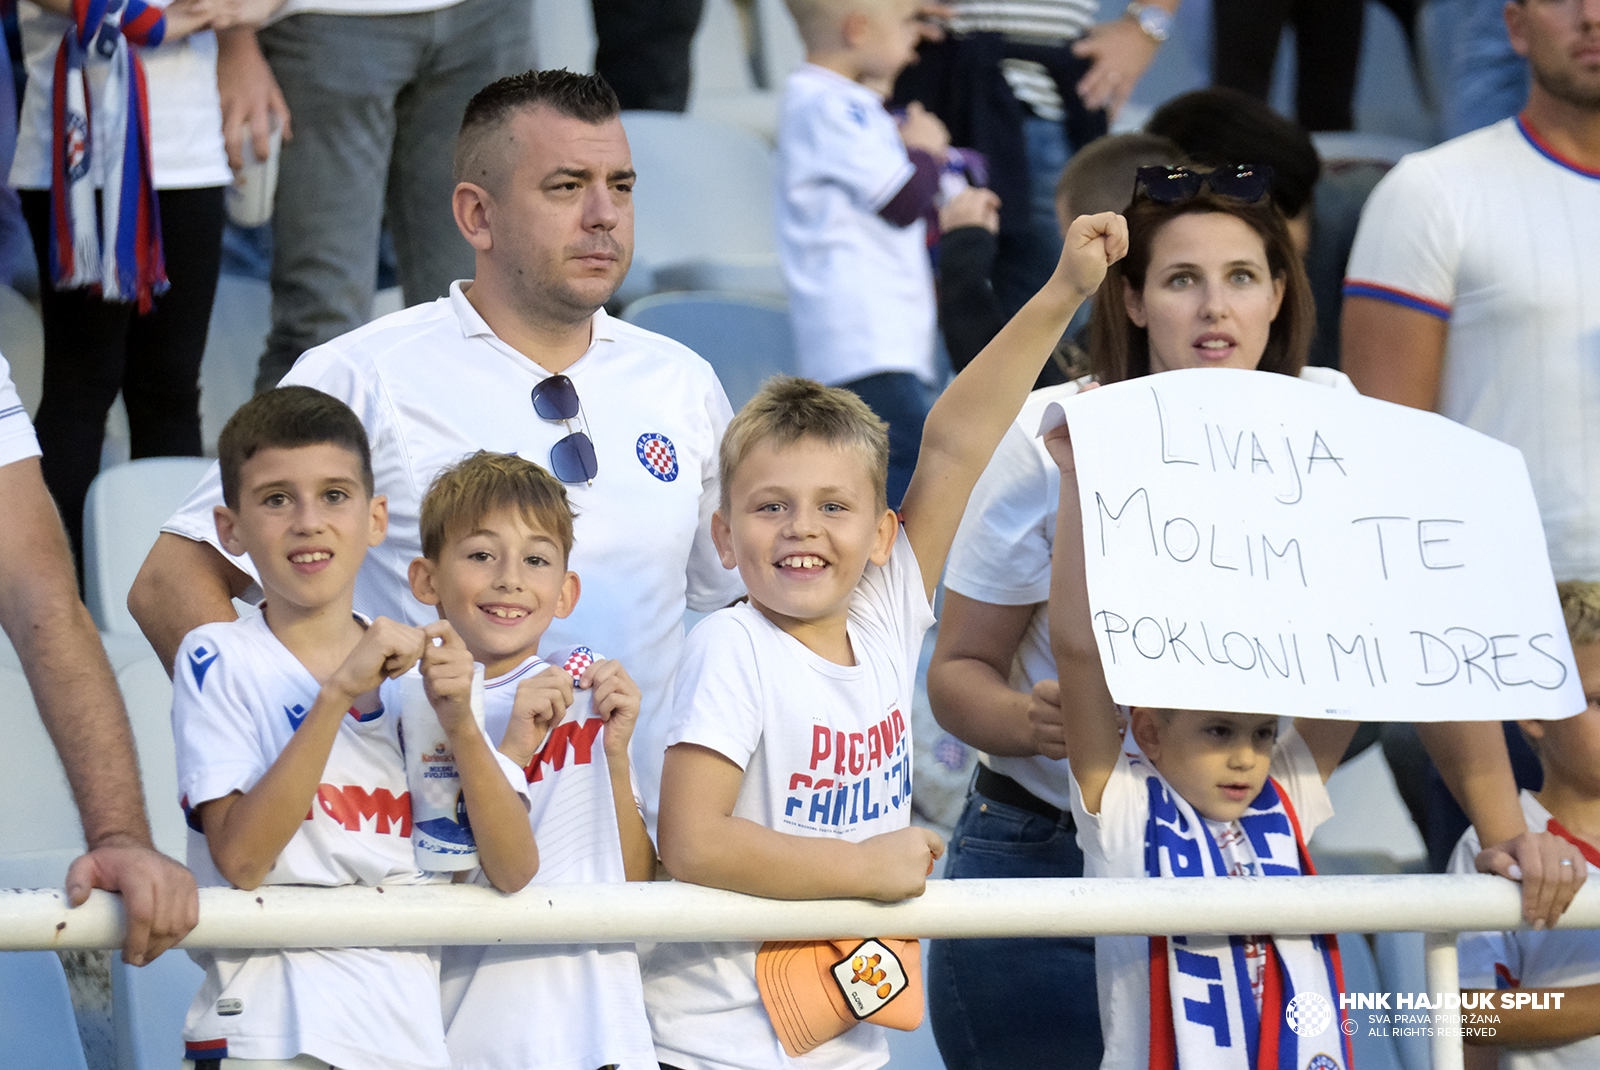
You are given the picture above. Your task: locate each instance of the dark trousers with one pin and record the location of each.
(642, 50)
(1327, 37)
(95, 348)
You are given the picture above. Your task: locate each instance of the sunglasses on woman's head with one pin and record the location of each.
(1169, 185)
(572, 459)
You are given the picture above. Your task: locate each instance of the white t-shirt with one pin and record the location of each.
(1528, 959)
(1001, 555)
(562, 1006)
(1498, 235)
(826, 751)
(17, 440)
(860, 288)
(185, 111)
(238, 695)
(1113, 843)
(433, 384)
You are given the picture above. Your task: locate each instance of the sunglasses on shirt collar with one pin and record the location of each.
(1169, 185)
(572, 459)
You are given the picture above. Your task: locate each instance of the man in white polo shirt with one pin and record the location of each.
(79, 703)
(1471, 290)
(629, 420)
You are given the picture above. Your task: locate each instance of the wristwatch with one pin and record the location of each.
(1156, 22)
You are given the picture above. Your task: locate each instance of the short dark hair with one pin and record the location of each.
(287, 418)
(462, 495)
(586, 97)
(1120, 350)
(1099, 177)
(1221, 127)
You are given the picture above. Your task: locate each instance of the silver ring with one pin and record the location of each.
(1566, 861)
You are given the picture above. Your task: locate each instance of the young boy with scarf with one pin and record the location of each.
(1193, 793)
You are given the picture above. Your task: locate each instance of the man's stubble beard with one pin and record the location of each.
(550, 297)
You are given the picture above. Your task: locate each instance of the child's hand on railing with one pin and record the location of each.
(902, 861)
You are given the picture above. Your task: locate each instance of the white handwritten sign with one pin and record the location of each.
(1260, 544)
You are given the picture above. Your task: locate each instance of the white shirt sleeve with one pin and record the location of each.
(1112, 840)
(716, 696)
(843, 143)
(218, 742)
(17, 440)
(893, 599)
(1409, 242)
(1294, 766)
(710, 585)
(1001, 553)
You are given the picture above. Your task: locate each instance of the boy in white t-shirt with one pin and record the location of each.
(853, 188)
(496, 535)
(1192, 793)
(289, 758)
(1558, 1027)
(788, 769)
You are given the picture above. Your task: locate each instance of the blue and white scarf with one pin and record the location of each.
(1208, 977)
(118, 249)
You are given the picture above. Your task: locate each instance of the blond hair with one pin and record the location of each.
(1580, 604)
(787, 409)
(820, 21)
(462, 495)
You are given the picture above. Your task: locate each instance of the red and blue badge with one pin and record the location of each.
(658, 455)
(578, 661)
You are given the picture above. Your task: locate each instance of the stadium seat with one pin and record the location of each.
(36, 1013)
(1402, 968)
(700, 226)
(746, 339)
(1361, 975)
(122, 516)
(38, 847)
(148, 1004)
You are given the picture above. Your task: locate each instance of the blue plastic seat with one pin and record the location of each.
(745, 338)
(36, 1013)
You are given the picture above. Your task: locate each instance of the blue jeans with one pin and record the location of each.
(1027, 257)
(1003, 1004)
(899, 399)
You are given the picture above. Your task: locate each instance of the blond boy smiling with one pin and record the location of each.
(788, 768)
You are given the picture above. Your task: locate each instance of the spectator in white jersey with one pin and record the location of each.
(1470, 292)
(544, 196)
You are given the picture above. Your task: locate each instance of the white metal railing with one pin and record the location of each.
(280, 916)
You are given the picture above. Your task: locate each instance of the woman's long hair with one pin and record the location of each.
(1120, 350)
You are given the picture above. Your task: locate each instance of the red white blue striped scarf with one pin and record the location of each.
(118, 249)
(1208, 976)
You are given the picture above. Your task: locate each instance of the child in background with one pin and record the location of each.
(289, 758)
(1190, 793)
(1560, 1034)
(1096, 179)
(496, 535)
(788, 769)
(852, 192)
